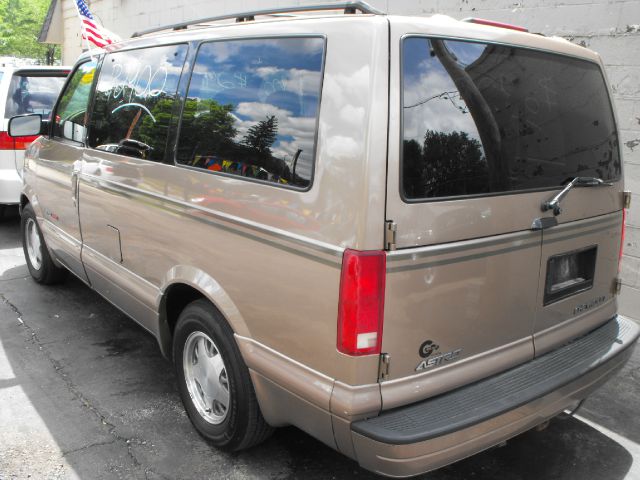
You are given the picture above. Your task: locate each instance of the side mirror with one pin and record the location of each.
(25, 125)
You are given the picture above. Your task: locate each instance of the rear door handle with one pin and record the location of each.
(74, 188)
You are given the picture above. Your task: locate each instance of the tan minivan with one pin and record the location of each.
(401, 235)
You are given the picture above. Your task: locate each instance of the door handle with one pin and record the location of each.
(74, 188)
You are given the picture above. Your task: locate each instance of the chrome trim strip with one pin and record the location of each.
(582, 233)
(460, 246)
(587, 222)
(447, 261)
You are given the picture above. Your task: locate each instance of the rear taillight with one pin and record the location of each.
(23, 142)
(8, 142)
(624, 221)
(361, 304)
(491, 23)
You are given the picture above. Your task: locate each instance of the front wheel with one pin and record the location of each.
(39, 262)
(213, 380)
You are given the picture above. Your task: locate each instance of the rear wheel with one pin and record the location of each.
(213, 380)
(39, 262)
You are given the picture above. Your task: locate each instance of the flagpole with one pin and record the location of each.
(82, 34)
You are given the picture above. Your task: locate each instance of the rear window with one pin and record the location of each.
(33, 93)
(484, 119)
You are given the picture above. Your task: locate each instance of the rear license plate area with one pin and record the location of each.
(569, 273)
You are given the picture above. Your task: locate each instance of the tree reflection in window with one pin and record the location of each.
(251, 109)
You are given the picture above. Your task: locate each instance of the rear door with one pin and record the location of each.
(478, 153)
(580, 255)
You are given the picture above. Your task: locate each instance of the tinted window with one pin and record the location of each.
(251, 109)
(31, 93)
(481, 119)
(71, 114)
(134, 101)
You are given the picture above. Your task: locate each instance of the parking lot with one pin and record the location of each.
(85, 393)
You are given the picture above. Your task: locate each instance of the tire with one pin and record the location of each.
(36, 254)
(208, 364)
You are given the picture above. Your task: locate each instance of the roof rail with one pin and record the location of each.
(349, 8)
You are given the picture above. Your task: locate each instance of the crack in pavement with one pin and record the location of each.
(72, 388)
(13, 308)
(86, 447)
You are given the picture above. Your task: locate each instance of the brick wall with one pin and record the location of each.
(612, 28)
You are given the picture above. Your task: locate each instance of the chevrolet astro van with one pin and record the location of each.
(401, 235)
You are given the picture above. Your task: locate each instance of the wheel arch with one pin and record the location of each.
(28, 196)
(23, 201)
(181, 286)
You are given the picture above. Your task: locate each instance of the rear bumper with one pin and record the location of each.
(10, 181)
(430, 434)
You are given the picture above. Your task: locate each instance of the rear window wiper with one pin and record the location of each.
(554, 203)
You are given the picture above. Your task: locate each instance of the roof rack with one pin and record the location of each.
(349, 8)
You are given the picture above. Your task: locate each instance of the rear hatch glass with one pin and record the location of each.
(484, 119)
(33, 92)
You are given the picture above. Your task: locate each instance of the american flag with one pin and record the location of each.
(91, 31)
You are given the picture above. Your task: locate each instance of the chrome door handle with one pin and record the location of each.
(74, 188)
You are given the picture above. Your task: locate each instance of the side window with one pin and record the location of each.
(71, 114)
(251, 109)
(134, 99)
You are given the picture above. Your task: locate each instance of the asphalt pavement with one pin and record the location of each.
(85, 394)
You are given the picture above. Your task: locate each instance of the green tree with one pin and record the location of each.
(20, 24)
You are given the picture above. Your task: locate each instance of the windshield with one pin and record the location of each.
(32, 93)
(483, 119)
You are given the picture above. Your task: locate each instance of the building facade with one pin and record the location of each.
(610, 27)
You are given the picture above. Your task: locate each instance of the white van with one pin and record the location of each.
(23, 90)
